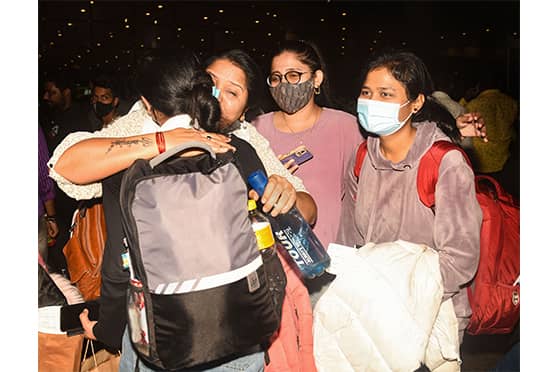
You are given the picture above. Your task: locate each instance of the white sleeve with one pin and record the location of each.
(128, 125)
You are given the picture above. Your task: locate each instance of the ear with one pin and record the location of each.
(115, 102)
(146, 104)
(418, 103)
(318, 78)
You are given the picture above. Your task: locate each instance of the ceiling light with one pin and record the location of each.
(91, 2)
(83, 10)
(343, 28)
(205, 18)
(241, 41)
(179, 29)
(155, 22)
(380, 32)
(269, 34)
(487, 30)
(98, 44)
(160, 6)
(275, 16)
(147, 13)
(127, 26)
(343, 14)
(69, 24)
(158, 37)
(322, 20)
(464, 34)
(202, 39)
(221, 10)
(256, 21)
(125, 20)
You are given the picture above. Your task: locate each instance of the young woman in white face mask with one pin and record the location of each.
(382, 205)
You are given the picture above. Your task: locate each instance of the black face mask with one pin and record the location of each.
(102, 109)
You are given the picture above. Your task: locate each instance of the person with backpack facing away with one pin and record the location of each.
(382, 204)
(177, 94)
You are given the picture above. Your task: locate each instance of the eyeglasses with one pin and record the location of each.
(292, 77)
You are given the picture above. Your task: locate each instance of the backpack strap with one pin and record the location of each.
(429, 165)
(179, 149)
(360, 155)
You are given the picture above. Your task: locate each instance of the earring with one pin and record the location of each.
(317, 90)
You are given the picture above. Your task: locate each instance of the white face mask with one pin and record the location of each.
(378, 117)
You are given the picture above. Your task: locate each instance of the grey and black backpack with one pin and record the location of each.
(199, 291)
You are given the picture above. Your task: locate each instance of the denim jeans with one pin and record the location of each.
(248, 363)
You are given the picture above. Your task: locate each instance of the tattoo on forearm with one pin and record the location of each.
(143, 141)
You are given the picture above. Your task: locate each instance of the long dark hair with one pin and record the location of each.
(412, 73)
(309, 54)
(254, 79)
(177, 84)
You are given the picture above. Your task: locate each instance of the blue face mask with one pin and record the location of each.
(381, 118)
(215, 91)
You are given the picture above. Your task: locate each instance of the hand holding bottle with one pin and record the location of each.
(295, 235)
(278, 197)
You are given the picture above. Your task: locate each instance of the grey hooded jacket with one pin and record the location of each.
(384, 206)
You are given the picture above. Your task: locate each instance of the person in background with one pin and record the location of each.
(48, 228)
(469, 124)
(499, 157)
(382, 205)
(105, 98)
(62, 116)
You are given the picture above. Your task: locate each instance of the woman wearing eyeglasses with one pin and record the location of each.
(299, 85)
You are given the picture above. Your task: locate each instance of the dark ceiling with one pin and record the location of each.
(87, 36)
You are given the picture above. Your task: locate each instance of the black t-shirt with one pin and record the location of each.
(112, 316)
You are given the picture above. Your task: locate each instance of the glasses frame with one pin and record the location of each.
(284, 77)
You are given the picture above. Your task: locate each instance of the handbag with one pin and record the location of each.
(100, 361)
(84, 249)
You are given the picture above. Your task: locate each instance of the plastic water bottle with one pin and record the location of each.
(262, 229)
(295, 235)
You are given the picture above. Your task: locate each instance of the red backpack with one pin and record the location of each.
(494, 291)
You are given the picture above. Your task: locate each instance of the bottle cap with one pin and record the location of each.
(258, 181)
(251, 204)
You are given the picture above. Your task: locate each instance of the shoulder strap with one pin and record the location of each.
(361, 153)
(429, 164)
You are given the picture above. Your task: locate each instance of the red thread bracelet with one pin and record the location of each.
(160, 139)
